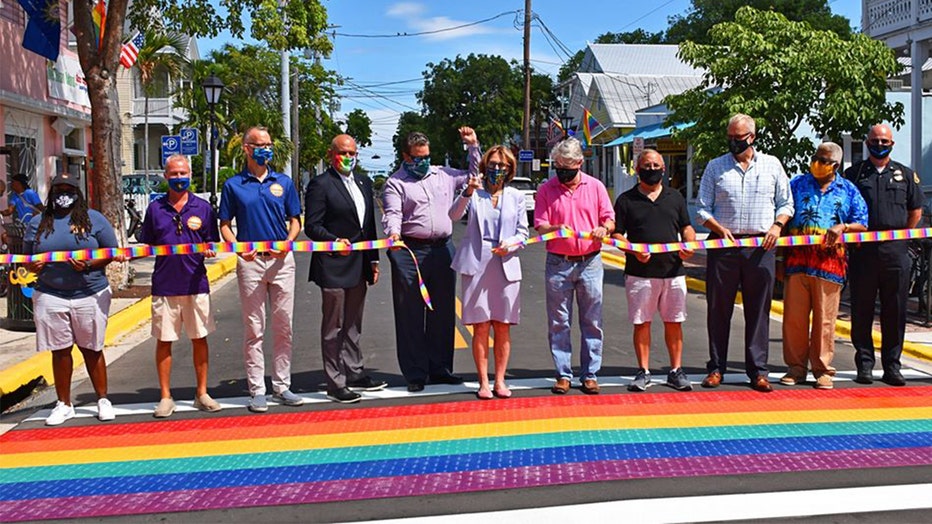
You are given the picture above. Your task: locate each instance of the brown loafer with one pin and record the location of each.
(561, 387)
(762, 384)
(712, 380)
(590, 387)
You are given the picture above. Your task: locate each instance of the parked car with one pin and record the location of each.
(529, 188)
(135, 184)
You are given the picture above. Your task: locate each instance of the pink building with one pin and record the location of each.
(44, 109)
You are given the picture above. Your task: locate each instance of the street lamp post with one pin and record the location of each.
(566, 121)
(213, 88)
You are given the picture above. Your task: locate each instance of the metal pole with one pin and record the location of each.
(295, 135)
(286, 103)
(213, 158)
(526, 137)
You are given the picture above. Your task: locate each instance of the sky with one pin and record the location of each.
(384, 74)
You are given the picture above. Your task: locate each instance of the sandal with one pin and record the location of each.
(502, 392)
(484, 394)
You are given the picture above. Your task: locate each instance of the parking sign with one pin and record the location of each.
(526, 155)
(171, 145)
(189, 142)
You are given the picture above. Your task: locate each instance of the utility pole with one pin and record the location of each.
(295, 134)
(286, 93)
(526, 137)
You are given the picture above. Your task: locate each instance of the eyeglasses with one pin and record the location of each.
(740, 137)
(497, 165)
(178, 226)
(823, 160)
(260, 145)
(880, 142)
(419, 159)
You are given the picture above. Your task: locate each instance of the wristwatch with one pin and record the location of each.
(779, 224)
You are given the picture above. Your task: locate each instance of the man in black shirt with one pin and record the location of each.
(651, 213)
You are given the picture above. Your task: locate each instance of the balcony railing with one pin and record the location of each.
(883, 17)
(159, 108)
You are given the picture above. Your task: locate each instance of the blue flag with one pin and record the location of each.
(43, 32)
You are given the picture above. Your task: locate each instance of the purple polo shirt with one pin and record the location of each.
(419, 208)
(177, 275)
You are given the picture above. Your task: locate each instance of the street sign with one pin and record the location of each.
(526, 155)
(189, 143)
(535, 166)
(637, 146)
(171, 145)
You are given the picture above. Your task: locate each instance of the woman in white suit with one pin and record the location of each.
(486, 259)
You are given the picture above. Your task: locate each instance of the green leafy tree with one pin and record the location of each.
(638, 36)
(481, 91)
(783, 74)
(296, 25)
(161, 60)
(696, 25)
(359, 126)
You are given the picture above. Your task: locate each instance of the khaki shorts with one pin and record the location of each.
(647, 296)
(65, 322)
(193, 312)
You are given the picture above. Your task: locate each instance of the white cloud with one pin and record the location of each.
(442, 22)
(404, 9)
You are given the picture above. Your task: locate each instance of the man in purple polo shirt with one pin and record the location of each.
(180, 290)
(416, 204)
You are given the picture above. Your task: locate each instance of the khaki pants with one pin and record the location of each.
(272, 279)
(803, 344)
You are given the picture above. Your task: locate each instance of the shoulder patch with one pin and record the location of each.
(916, 178)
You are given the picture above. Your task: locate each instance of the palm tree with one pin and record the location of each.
(160, 54)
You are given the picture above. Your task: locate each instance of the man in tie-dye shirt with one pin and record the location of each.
(829, 205)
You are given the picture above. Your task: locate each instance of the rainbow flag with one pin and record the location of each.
(589, 123)
(377, 451)
(99, 15)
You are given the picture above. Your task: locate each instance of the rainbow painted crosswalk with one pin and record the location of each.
(450, 447)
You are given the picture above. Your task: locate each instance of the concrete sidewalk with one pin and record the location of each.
(20, 364)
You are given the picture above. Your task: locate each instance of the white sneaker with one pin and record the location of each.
(60, 414)
(105, 410)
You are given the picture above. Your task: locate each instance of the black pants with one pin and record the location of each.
(751, 269)
(424, 338)
(868, 275)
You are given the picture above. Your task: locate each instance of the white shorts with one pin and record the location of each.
(646, 296)
(65, 322)
(191, 311)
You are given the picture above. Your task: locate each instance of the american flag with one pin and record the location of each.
(131, 50)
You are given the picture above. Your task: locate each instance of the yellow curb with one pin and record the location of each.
(119, 325)
(842, 327)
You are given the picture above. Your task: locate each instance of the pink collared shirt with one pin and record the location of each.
(584, 208)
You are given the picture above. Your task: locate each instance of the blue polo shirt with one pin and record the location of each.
(26, 205)
(261, 209)
(177, 275)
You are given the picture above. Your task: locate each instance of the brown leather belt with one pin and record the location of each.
(575, 258)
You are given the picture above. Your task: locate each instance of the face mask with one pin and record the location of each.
(821, 171)
(650, 176)
(879, 151)
(345, 164)
(566, 175)
(65, 200)
(418, 167)
(262, 155)
(738, 146)
(179, 184)
(494, 175)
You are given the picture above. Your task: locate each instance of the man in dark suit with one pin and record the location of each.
(339, 208)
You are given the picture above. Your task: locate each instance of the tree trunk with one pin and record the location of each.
(99, 71)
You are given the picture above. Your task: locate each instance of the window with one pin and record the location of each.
(21, 157)
(11, 11)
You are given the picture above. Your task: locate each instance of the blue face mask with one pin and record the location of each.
(494, 175)
(418, 167)
(879, 151)
(262, 155)
(179, 184)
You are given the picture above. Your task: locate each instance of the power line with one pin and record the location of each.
(645, 15)
(435, 31)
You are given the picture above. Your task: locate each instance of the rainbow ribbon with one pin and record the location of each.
(720, 243)
(218, 247)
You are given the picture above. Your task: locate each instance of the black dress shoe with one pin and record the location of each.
(446, 379)
(344, 396)
(366, 383)
(414, 387)
(893, 378)
(864, 377)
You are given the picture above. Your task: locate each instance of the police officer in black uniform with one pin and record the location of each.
(894, 201)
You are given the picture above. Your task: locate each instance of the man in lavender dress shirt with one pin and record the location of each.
(180, 290)
(416, 200)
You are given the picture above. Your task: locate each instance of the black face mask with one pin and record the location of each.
(566, 175)
(650, 176)
(738, 146)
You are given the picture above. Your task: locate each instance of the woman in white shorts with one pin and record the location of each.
(72, 299)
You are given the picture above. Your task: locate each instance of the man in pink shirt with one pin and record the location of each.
(580, 202)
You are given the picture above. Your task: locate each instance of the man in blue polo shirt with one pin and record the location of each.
(23, 201)
(265, 206)
(180, 289)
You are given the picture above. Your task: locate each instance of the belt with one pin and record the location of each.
(425, 242)
(749, 236)
(263, 253)
(575, 258)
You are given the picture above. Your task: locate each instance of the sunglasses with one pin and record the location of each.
(178, 225)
